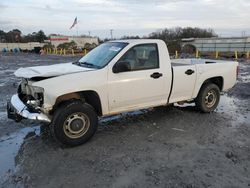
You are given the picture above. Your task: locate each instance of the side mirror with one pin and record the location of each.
(121, 66)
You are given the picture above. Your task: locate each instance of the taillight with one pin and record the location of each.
(237, 71)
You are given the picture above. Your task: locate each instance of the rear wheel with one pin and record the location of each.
(208, 98)
(74, 123)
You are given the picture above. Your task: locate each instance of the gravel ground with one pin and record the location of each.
(161, 147)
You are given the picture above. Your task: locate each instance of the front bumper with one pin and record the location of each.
(17, 110)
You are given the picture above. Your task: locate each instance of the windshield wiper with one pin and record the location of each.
(86, 64)
(76, 63)
(89, 64)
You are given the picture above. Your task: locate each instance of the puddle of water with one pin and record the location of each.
(228, 106)
(9, 146)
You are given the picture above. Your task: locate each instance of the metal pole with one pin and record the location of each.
(77, 30)
(111, 33)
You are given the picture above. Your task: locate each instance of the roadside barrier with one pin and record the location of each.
(236, 55)
(176, 54)
(216, 55)
(55, 51)
(197, 54)
(65, 51)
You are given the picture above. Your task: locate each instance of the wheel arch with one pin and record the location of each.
(217, 80)
(91, 97)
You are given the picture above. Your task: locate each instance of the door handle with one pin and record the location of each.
(156, 75)
(189, 72)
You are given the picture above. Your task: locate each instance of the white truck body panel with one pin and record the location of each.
(184, 85)
(70, 83)
(49, 70)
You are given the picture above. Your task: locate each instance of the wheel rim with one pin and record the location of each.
(210, 99)
(76, 125)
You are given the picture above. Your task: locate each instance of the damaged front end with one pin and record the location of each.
(27, 103)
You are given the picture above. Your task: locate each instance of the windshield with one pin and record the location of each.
(103, 54)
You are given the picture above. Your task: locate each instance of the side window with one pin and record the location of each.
(141, 57)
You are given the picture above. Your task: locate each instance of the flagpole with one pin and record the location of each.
(77, 29)
(75, 23)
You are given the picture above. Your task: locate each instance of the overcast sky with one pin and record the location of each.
(126, 17)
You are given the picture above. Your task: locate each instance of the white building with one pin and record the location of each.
(229, 44)
(80, 41)
(23, 46)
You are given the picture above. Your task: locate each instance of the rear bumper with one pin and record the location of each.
(17, 110)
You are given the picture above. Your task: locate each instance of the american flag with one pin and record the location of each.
(74, 23)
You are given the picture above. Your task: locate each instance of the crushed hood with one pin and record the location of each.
(49, 71)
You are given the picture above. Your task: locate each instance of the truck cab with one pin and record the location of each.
(144, 70)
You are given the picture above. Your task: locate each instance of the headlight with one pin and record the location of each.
(36, 89)
(37, 93)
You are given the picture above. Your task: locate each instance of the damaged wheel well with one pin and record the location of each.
(90, 97)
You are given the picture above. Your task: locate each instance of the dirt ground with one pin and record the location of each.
(162, 147)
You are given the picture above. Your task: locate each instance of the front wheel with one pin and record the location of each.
(74, 123)
(208, 98)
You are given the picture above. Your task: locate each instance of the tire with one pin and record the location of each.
(74, 123)
(208, 98)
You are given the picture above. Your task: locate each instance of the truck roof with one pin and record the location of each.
(138, 41)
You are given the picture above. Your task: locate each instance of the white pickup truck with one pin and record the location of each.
(115, 77)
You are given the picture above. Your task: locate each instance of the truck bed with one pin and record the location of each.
(180, 62)
(186, 86)
(177, 64)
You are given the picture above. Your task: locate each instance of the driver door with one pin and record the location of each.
(141, 84)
